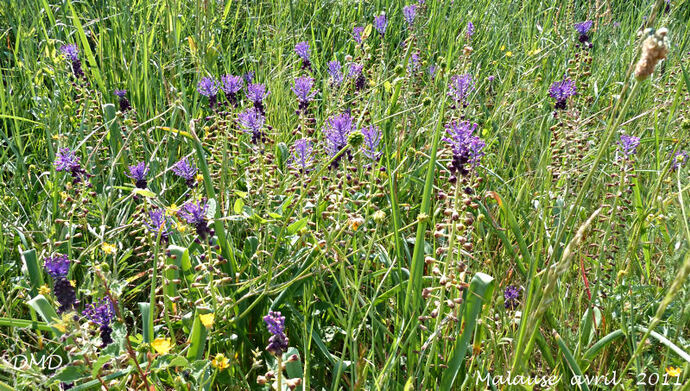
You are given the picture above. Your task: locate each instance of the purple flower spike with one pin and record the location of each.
(102, 313)
(409, 12)
(337, 130)
(413, 64)
(252, 121)
(275, 323)
(65, 160)
(355, 71)
(256, 93)
(57, 266)
(627, 146)
(71, 53)
(582, 29)
(302, 50)
(248, 77)
(561, 91)
(138, 172)
(357, 34)
(124, 103)
(185, 170)
(303, 155)
(511, 296)
(335, 71)
(460, 87)
(432, 70)
(231, 85)
(194, 213)
(157, 222)
(208, 87)
(303, 90)
(466, 147)
(372, 138)
(470, 29)
(380, 22)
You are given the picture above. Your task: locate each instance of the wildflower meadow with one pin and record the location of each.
(344, 195)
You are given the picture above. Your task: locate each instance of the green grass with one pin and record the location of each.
(389, 275)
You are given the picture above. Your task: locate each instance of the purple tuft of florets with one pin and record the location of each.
(256, 93)
(194, 213)
(413, 64)
(185, 170)
(582, 29)
(253, 121)
(467, 148)
(355, 72)
(124, 103)
(460, 87)
(208, 87)
(138, 172)
(303, 155)
(432, 70)
(335, 71)
(302, 50)
(337, 130)
(380, 23)
(561, 91)
(158, 223)
(470, 29)
(71, 53)
(409, 12)
(102, 313)
(278, 342)
(372, 139)
(57, 266)
(627, 146)
(66, 160)
(357, 34)
(231, 85)
(303, 89)
(511, 296)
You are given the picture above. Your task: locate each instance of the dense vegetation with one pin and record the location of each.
(333, 195)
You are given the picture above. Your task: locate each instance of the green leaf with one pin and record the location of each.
(197, 339)
(144, 192)
(41, 305)
(33, 270)
(237, 207)
(572, 364)
(98, 365)
(146, 324)
(481, 288)
(297, 225)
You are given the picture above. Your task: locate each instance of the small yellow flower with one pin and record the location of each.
(673, 372)
(181, 228)
(207, 320)
(73, 283)
(108, 248)
(162, 345)
(503, 47)
(64, 195)
(220, 361)
(44, 290)
(172, 210)
(199, 178)
(509, 54)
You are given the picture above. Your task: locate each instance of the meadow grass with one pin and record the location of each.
(538, 247)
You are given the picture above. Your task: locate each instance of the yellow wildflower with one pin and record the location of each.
(108, 248)
(172, 210)
(44, 290)
(509, 54)
(220, 361)
(673, 372)
(162, 345)
(207, 320)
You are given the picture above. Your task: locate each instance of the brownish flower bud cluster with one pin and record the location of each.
(654, 49)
